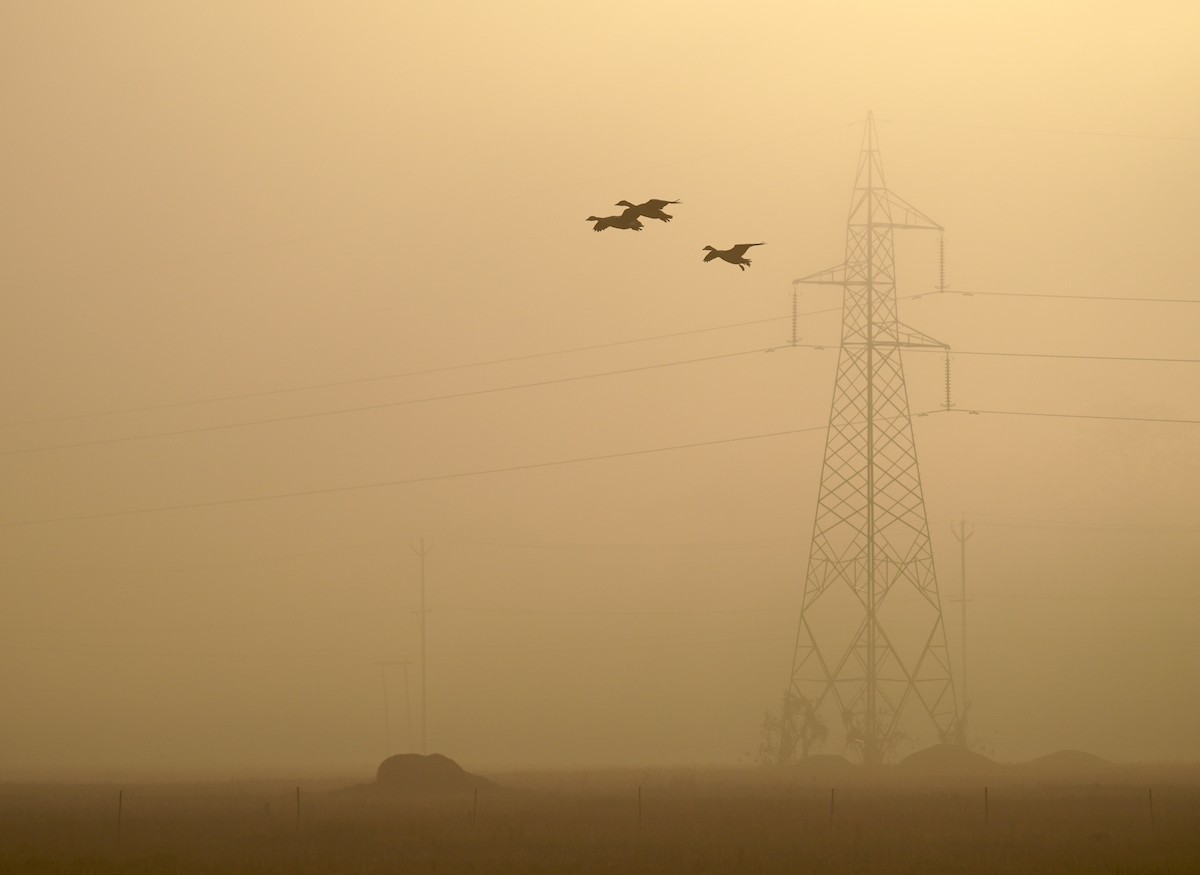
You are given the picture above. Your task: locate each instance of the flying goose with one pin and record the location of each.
(627, 223)
(734, 255)
(651, 209)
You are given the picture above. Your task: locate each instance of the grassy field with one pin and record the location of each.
(1137, 821)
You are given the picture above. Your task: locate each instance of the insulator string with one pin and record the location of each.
(941, 262)
(795, 313)
(949, 403)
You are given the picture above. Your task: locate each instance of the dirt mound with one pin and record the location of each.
(1069, 763)
(414, 773)
(949, 759)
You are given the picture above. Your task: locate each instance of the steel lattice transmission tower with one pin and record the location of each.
(871, 641)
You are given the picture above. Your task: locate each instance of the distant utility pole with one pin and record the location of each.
(387, 723)
(962, 534)
(422, 551)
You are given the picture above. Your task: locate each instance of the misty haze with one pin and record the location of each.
(555, 437)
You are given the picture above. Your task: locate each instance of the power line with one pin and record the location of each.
(334, 656)
(1103, 637)
(127, 650)
(982, 518)
(536, 465)
(1062, 355)
(1091, 598)
(419, 372)
(357, 549)
(555, 381)
(527, 357)
(162, 570)
(407, 481)
(996, 519)
(213, 399)
(666, 545)
(659, 643)
(974, 412)
(1096, 528)
(1115, 134)
(382, 405)
(605, 613)
(967, 293)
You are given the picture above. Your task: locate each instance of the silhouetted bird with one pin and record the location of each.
(734, 255)
(627, 223)
(651, 209)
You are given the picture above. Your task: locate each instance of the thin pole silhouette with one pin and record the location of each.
(408, 708)
(962, 534)
(422, 551)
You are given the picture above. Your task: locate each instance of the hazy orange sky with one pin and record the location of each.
(206, 204)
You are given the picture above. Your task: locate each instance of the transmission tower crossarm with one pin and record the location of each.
(911, 338)
(913, 218)
(831, 276)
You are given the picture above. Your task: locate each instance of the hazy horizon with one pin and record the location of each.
(224, 222)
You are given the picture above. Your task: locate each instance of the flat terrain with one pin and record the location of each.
(1144, 820)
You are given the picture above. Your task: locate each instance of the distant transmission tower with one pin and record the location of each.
(871, 642)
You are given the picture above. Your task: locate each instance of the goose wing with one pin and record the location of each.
(741, 249)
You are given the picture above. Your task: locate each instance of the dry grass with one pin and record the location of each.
(568, 822)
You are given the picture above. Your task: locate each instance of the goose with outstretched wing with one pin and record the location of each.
(626, 223)
(651, 209)
(734, 255)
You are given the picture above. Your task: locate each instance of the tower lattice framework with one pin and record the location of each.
(871, 640)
